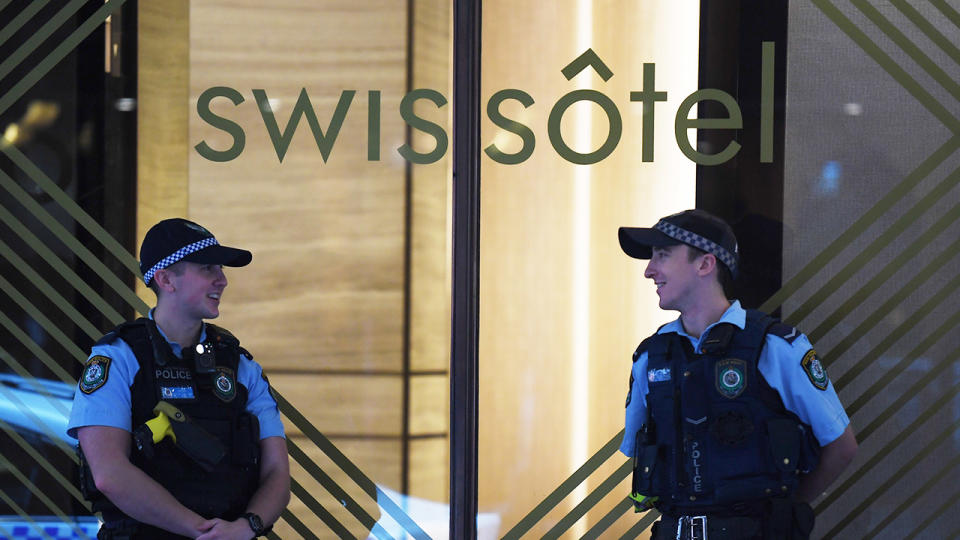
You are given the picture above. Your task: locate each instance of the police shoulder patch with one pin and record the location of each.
(784, 331)
(95, 373)
(814, 370)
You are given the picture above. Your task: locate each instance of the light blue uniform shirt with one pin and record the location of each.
(779, 364)
(110, 405)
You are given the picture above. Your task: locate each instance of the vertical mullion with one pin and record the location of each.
(466, 269)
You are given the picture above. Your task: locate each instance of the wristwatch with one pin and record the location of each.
(256, 524)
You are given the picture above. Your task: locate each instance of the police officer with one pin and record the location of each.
(731, 420)
(175, 420)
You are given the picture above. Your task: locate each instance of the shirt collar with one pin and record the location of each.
(176, 347)
(735, 315)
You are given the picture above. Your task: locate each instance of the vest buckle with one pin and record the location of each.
(692, 528)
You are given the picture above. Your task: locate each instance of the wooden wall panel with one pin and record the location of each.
(430, 460)
(325, 287)
(163, 75)
(345, 404)
(430, 259)
(429, 404)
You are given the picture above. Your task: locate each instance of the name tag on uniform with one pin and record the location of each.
(176, 383)
(177, 392)
(658, 375)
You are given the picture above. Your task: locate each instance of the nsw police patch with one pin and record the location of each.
(95, 373)
(731, 377)
(225, 384)
(814, 370)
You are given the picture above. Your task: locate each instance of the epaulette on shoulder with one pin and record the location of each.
(784, 331)
(222, 334)
(119, 331)
(642, 348)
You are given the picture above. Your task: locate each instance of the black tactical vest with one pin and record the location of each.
(214, 401)
(717, 435)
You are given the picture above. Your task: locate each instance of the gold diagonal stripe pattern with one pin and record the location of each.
(847, 237)
(908, 47)
(330, 485)
(30, 380)
(41, 496)
(947, 11)
(318, 509)
(888, 413)
(837, 492)
(54, 261)
(608, 519)
(872, 250)
(928, 29)
(67, 204)
(297, 525)
(43, 462)
(51, 329)
(899, 295)
(27, 342)
(347, 466)
(58, 53)
(565, 488)
(38, 37)
(17, 22)
(892, 267)
(641, 525)
(26, 517)
(889, 65)
(590, 500)
(900, 331)
(65, 237)
(895, 477)
(914, 497)
(948, 503)
(914, 390)
(29, 413)
(909, 358)
(48, 291)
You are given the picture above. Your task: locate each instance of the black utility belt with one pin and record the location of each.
(706, 527)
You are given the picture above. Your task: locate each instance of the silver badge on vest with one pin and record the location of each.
(731, 377)
(225, 384)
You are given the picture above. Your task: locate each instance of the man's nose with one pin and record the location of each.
(649, 271)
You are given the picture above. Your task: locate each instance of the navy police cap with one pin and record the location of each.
(696, 228)
(176, 239)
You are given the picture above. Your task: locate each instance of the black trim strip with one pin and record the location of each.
(466, 269)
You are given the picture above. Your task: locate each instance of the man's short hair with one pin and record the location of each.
(177, 268)
(724, 277)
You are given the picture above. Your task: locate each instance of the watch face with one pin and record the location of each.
(255, 523)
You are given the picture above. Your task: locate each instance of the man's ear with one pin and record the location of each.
(164, 280)
(708, 263)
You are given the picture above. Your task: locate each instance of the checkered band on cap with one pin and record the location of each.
(177, 255)
(698, 242)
